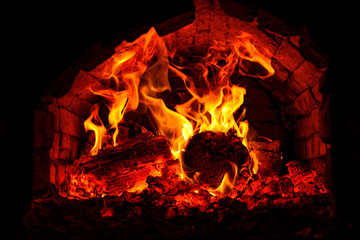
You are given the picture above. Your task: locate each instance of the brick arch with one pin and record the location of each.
(295, 86)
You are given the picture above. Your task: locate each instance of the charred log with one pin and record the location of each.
(269, 154)
(116, 169)
(208, 156)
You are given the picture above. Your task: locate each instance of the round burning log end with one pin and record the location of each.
(208, 156)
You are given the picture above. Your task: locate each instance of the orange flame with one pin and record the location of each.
(139, 71)
(246, 51)
(118, 102)
(174, 126)
(99, 130)
(213, 106)
(228, 182)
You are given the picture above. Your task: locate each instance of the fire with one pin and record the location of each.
(174, 126)
(135, 79)
(124, 72)
(99, 130)
(213, 106)
(138, 72)
(227, 182)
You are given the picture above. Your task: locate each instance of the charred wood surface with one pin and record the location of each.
(269, 155)
(208, 156)
(140, 150)
(118, 168)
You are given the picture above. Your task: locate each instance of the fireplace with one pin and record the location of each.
(130, 136)
(283, 103)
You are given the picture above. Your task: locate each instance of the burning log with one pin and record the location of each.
(209, 155)
(116, 169)
(269, 154)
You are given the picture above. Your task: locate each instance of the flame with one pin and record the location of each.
(117, 107)
(124, 71)
(99, 130)
(228, 182)
(142, 184)
(138, 72)
(246, 51)
(213, 106)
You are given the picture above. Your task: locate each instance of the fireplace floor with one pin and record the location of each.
(55, 217)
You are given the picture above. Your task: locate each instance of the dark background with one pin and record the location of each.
(39, 39)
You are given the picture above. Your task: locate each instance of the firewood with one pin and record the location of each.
(268, 153)
(116, 169)
(127, 130)
(208, 156)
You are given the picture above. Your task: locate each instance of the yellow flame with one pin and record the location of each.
(213, 105)
(99, 130)
(139, 71)
(228, 182)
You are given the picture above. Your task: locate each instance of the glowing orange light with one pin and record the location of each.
(99, 130)
(138, 72)
(228, 182)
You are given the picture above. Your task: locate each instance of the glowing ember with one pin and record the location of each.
(136, 76)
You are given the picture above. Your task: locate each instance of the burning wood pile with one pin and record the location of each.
(200, 149)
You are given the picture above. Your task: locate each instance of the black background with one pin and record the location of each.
(39, 39)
